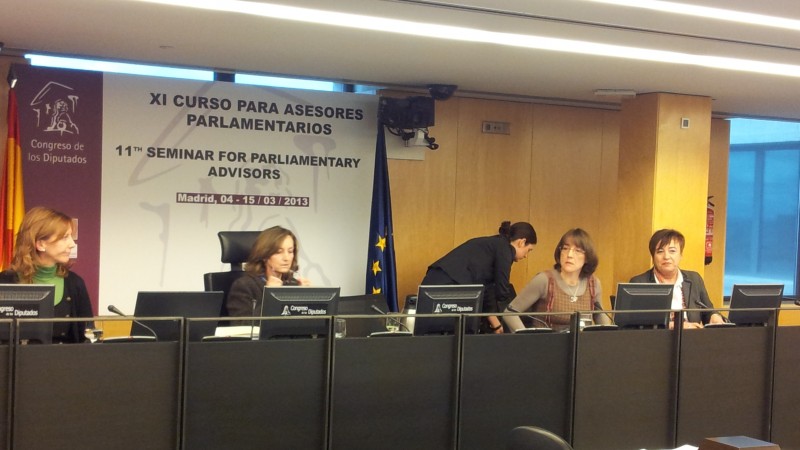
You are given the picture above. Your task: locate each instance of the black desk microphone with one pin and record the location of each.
(382, 312)
(115, 310)
(700, 302)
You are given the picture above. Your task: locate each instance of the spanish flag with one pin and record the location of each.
(12, 202)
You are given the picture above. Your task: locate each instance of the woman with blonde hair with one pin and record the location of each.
(42, 256)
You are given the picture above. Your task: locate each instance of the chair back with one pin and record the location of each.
(235, 248)
(534, 438)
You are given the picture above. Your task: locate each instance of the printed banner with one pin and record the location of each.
(153, 168)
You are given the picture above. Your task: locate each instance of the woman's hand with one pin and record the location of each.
(686, 325)
(272, 280)
(716, 318)
(496, 325)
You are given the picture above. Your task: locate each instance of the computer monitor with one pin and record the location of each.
(187, 304)
(643, 297)
(28, 301)
(746, 296)
(297, 301)
(363, 305)
(448, 299)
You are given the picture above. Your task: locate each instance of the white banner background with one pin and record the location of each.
(149, 241)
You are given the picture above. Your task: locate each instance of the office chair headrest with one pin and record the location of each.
(236, 245)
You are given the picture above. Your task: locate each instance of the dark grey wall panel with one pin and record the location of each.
(786, 390)
(513, 380)
(625, 390)
(120, 396)
(394, 393)
(256, 394)
(725, 383)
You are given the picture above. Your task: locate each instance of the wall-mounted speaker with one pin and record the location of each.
(406, 113)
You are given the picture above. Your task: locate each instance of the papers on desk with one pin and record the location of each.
(682, 447)
(241, 331)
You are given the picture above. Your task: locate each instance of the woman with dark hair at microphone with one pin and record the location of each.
(272, 262)
(666, 250)
(568, 287)
(487, 261)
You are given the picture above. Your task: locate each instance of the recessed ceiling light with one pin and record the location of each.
(615, 93)
(449, 32)
(708, 13)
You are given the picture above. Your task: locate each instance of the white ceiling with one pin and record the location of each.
(131, 30)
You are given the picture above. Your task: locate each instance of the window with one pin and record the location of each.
(193, 74)
(296, 83)
(763, 190)
(117, 67)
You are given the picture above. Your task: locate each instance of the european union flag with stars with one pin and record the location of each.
(381, 273)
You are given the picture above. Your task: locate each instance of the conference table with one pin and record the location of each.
(600, 389)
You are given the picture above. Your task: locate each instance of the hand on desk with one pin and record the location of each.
(716, 318)
(495, 323)
(686, 325)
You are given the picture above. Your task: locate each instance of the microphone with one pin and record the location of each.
(523, 330)
(546, 325)
(383, 313)
(115, 310)
(599, 307)
(253, 315)
(703, 305)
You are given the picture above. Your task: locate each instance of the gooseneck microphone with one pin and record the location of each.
(382, 312)
(546, 325)
(115, 310)
(703, 305)
(599, 308)
(253, 315)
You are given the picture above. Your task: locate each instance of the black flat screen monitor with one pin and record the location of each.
(363, 305)
(28, 301)
(187, 304)
(448, 299)
(643, 297)
(746, 296)
(297, 301)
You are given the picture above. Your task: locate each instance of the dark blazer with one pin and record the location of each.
(77, 305)
(697, 297)
(245, 296)
(483, 260)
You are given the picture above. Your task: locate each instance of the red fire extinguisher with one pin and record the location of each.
(709, 230)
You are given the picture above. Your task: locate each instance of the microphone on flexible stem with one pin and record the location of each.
(599, 307)
(115, 310)
(382, 312)
(700, 302)
(546, 325)
(545, 329)
(253, 302)
(529, 330)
